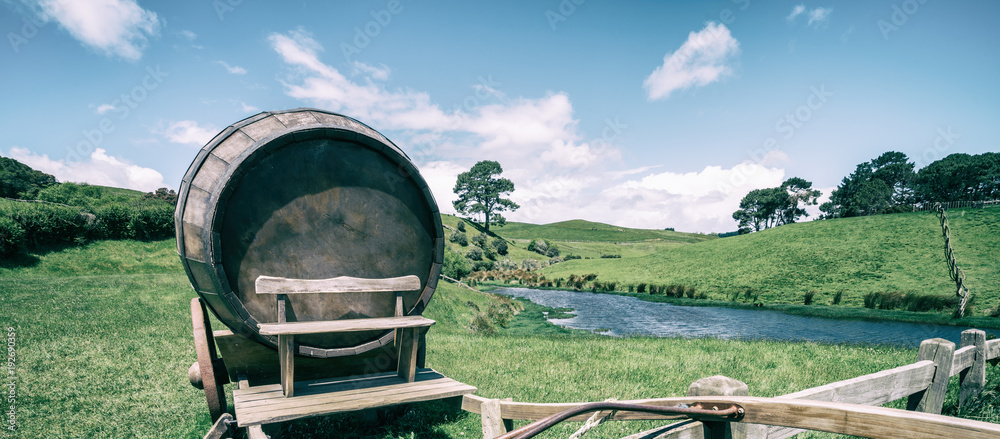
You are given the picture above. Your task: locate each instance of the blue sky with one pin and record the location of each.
(635, 113)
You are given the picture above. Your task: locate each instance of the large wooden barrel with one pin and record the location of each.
(306, 194)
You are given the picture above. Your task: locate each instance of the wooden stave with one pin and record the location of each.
(208, 275)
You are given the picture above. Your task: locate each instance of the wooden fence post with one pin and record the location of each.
(720, 386)
(973, 379)
(493, 424)
(931, 399)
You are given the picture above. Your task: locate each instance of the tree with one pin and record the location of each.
(960, 177)
(770, 207)
(481, 191)
(760, 208)
(18, 180)
(873, 187)
(799, 191)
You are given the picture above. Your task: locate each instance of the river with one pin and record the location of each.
(616, 315)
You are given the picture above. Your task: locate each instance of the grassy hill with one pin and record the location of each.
(582, 238)
(582, 230)
(900, 252)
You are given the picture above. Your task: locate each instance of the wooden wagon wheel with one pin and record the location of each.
(210, 370)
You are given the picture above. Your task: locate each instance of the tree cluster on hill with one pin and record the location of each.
(18, 180)
(889, 184)
(770, 207)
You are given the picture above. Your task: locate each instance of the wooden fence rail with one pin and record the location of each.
(924, 384)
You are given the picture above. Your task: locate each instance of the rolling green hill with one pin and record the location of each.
(582, 230)
(582, 238)
(900, 252)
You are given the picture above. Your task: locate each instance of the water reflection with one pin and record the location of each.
(622, 315)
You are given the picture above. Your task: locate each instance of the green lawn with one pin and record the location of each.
(900, 252)
(104, 344)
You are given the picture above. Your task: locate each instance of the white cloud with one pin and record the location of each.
(111, 27)
(819, 16)
(246, 108)
(695, 201)
(188, 35)
(376, 73)
(236, 70)
(816, 17)
(796, 11)
(704, 58)
(101, 169)
(558, 173)
(104, 108)
(187, 132)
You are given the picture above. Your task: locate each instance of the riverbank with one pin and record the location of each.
(837, 312)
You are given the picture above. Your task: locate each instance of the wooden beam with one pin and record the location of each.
(942, 353)
(993, 349)
(963, 359)
(286, 359)
(350, 325)
(408, 354)
(833, 417)
(342, 284)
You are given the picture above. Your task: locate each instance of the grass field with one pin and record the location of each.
(103, 343)
(901, 252)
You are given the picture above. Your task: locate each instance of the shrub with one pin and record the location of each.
(459, 238)
(555, 260)
(461, 226)
(690, 292)
(530, 264)
(45, 224)
(808, 298)
(113, 220)
(11, 237)
(568, 257)
(480, 240)
(909, 301)
(499, 314)
(500, 245)
(505, 264)
(552, 252)
(641, 288)
(611, 256)
(481, 324)
(150, 222)
(837, 297)
(475, 253)
(455, 265)
(482, 266)
(490, 253)
(539, 246)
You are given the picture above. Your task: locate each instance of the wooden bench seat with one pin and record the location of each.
(408, 329)
(351, 325)
(267, 404)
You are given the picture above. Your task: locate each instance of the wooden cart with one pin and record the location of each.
(315, 240)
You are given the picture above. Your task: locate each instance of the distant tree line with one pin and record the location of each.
(888, 183)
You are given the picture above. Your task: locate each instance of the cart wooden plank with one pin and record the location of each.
(350, 325)
(266, 404)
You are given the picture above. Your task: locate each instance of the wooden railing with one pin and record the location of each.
(924, 383)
